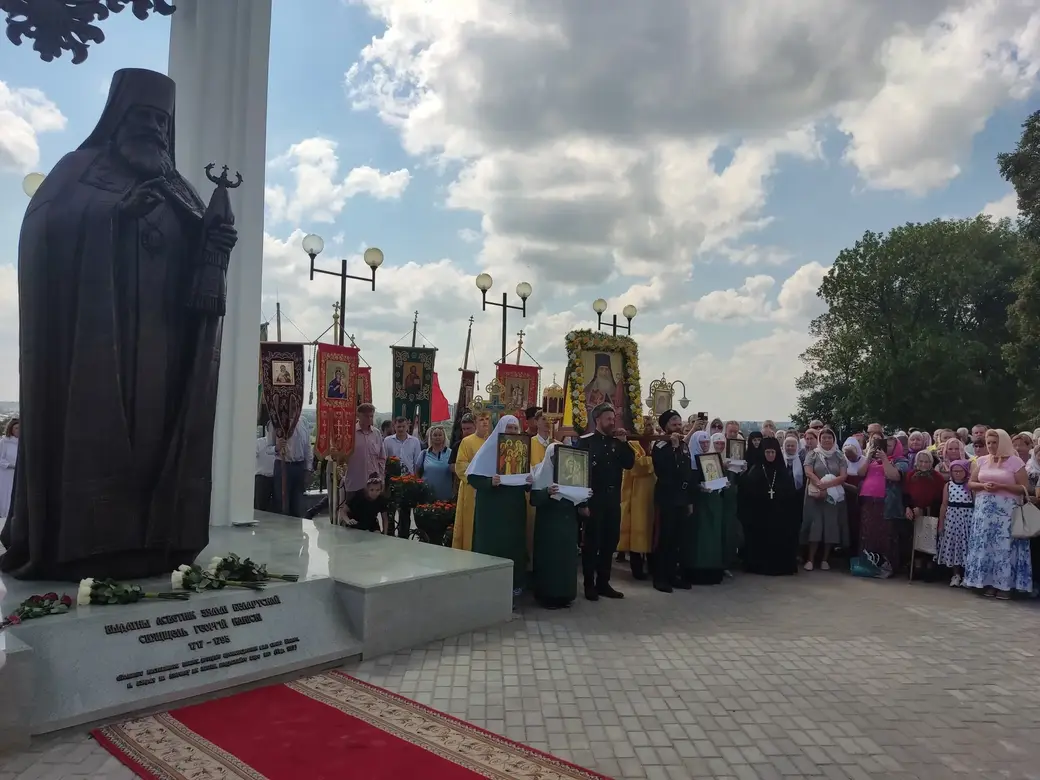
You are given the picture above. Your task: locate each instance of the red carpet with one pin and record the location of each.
(326, 727)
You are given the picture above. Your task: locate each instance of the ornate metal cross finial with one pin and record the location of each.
(223, 179)
(55, 26)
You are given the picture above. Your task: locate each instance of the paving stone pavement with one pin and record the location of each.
(817, 676)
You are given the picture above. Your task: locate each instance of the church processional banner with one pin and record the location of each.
(601, 368)
(467, 389)
(519, 387)
(337, 382)
(412, 382)
(364, 385)
(281, 380)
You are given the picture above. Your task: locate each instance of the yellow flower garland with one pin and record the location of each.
(579, 341)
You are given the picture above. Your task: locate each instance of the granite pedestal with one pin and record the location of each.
(359, 595)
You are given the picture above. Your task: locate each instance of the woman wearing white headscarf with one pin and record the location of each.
(555, 576)
(855, 470)
(735, 536)
(500, 514)
(703, 548)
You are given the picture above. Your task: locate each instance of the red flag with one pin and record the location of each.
(439, 404)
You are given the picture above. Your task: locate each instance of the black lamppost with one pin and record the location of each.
(599, 306)
(523, 290)
(313, 245)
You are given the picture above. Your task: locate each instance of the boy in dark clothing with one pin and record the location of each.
(367, 508)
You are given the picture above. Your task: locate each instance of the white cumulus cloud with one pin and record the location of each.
(319, 191)
(24, 114)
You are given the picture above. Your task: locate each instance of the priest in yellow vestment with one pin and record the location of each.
(637, 511)
(462, 535)
(538, 426)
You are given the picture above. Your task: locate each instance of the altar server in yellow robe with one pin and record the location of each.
(462, 536)
(637, 510)
(538, 427)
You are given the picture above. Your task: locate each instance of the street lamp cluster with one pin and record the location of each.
(523, 291)
(313, 245)
(629, 312)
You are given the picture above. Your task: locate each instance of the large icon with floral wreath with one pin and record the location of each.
(601, 368)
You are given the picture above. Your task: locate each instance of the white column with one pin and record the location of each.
(219, 57)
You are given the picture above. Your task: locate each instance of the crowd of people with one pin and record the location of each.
(359, 504)
(794, 500)
(801, 499)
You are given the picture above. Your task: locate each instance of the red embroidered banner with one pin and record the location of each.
(519, 387)
(337, 404)
(364, 385)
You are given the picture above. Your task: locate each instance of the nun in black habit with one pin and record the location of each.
(768, 503)
(754, 448)
(120, 316)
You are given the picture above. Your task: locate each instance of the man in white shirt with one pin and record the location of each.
(408, 450)
(295, 458)
(263, 484)
(403, 446)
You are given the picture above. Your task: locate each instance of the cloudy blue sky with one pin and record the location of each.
(702, 161)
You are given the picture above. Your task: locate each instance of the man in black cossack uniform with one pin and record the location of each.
(673, 499)
(609, 456)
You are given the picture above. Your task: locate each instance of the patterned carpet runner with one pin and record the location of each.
(326, 727)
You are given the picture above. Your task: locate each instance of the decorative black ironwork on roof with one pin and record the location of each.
(55, 26)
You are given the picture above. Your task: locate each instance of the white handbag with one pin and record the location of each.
(1025, 521)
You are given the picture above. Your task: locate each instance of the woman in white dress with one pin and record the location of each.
(8, 458)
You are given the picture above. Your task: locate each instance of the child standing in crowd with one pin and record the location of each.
(958, 504)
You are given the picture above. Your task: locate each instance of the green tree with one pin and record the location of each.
(1022, 352)
(915, 319)
(1022, 168)
(826, 389)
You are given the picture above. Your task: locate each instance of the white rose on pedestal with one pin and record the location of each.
(83, 595)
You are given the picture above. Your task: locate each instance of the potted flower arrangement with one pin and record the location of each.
(393, 469)
(407, 490)
(433, 520)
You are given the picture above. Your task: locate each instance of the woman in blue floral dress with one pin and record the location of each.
(996, 562)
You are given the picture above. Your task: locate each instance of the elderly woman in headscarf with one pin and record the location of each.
(857, 466)
(949, 452)
(996, 562)
(500, 513)
(915, 443)
(824, 516)
(703, 551)
(555, 573)
(793, 461)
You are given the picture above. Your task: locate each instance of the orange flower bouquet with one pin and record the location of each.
(433, 521)
(408, 490)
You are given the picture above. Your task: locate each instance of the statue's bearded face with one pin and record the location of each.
(143, 140)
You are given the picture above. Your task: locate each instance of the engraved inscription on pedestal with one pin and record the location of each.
(114, 660)
(207, 636)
